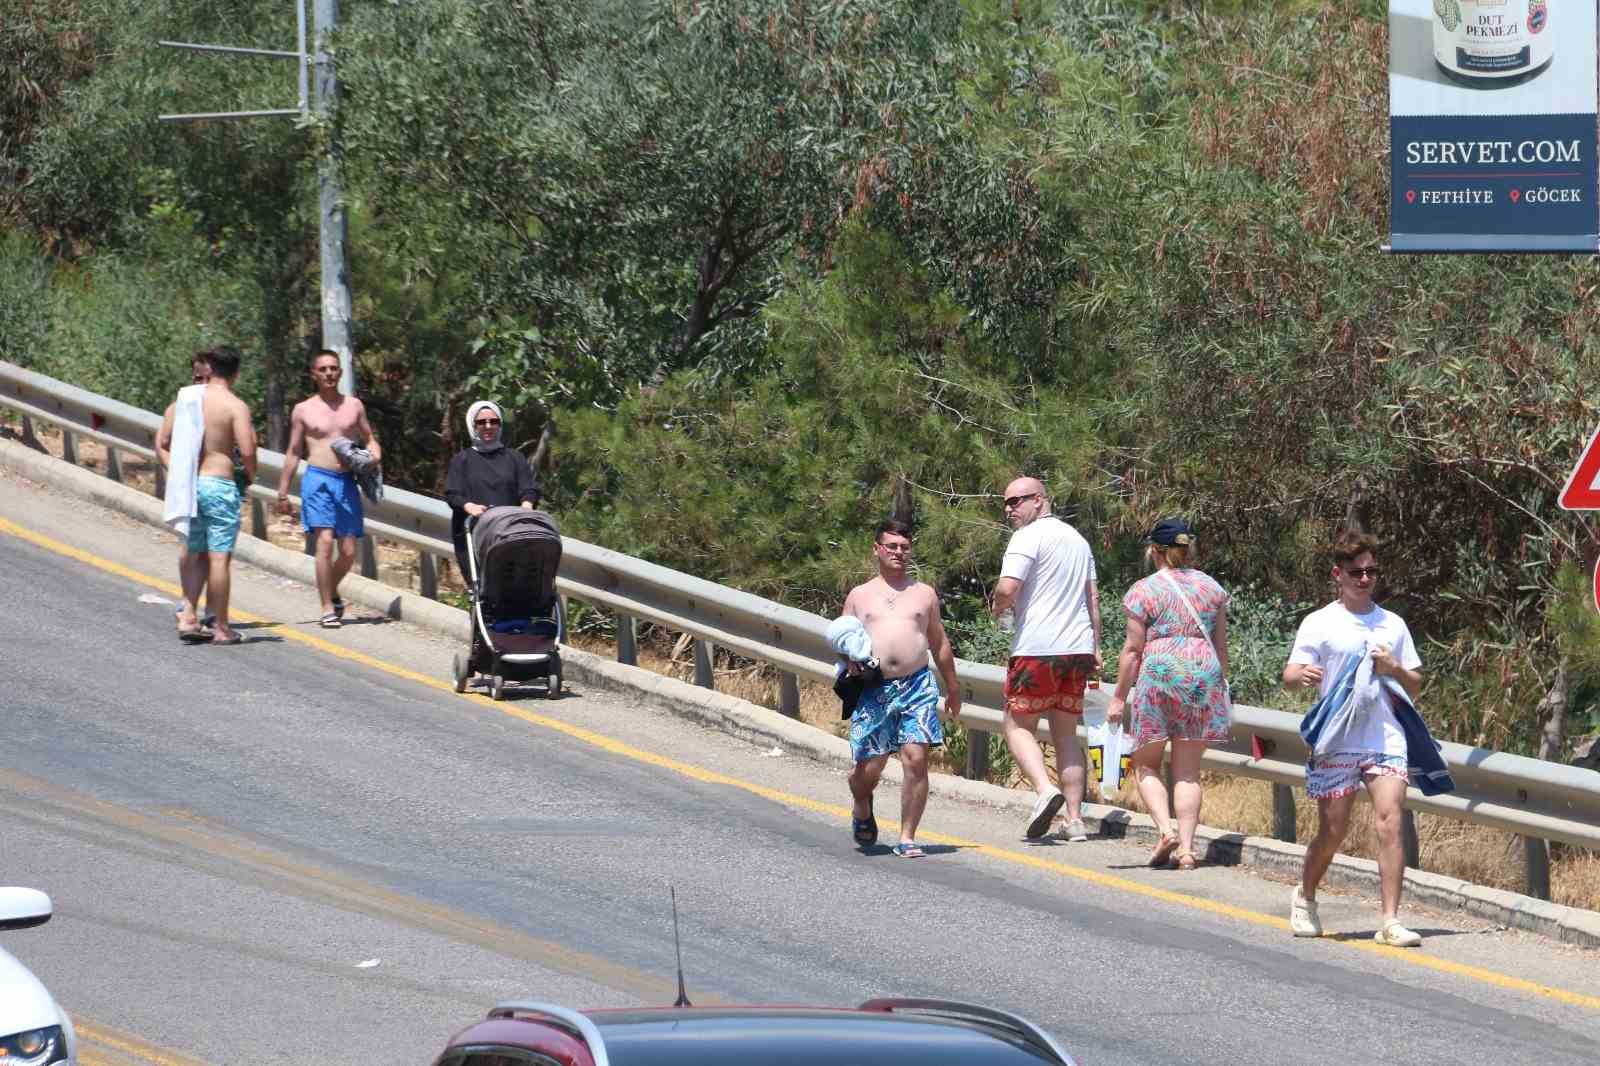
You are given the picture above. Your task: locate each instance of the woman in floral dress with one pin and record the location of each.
(1177, 651)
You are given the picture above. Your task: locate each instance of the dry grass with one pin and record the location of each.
(1473, 853)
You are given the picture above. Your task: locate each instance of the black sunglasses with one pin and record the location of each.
(1016, 501)
(1359, 572)
(487, 422)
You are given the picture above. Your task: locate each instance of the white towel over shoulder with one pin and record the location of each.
(188, 430)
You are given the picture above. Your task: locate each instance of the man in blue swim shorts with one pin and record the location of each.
(901, 616)
(330, 501)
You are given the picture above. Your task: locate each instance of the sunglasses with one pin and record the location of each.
(896, 549)
(487, 422)
(1013, 502)
(1359, 572)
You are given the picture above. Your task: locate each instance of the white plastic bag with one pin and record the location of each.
(1109, 748)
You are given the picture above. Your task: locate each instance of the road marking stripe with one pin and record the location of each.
(94, 1033)
(617, 747)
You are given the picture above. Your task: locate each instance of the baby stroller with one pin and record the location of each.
(517, 621)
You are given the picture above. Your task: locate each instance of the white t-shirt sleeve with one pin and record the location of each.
(1307, 644)
(1021, 552)
(1404, 650)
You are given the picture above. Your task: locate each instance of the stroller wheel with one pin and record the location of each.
(497, 689)
(554, 684)
(460, 672)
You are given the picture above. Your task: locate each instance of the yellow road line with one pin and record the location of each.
(697, 773)
(92, 1036)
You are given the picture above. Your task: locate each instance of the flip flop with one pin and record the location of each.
(865, 830)
(908, 851)
(197, 635)
(330, 621)
(227, 642)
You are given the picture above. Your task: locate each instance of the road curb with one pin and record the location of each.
(764, 726)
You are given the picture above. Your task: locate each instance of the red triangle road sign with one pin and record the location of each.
(1581, 493)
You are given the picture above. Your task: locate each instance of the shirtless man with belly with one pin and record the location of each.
(901, 616)
(330, 501)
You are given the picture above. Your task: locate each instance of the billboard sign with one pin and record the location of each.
(1492, 126)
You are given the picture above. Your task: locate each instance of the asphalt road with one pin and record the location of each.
(278, 853)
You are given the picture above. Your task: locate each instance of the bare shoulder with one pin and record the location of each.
(928, 592)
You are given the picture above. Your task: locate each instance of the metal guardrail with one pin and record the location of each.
(1542, 801)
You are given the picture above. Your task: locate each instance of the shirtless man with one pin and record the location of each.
(192, 626)
(330, 502)
(901, 616)
(215, 527)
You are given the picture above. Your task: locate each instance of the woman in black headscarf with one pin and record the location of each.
(488, 474)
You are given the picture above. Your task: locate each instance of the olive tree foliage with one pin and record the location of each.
(628, 176)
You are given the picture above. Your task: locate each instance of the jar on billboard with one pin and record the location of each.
(1492, 43)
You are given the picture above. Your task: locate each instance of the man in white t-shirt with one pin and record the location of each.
(1369, 747)
(1047, 580)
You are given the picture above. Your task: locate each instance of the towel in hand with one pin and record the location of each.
(188, 431)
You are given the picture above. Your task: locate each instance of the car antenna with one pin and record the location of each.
(677, 944)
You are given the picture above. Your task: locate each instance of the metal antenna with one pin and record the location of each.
(677, 944)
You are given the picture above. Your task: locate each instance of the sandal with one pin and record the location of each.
(1186, 860)
(1164, 849)
(864, 830)
(330, 621)
(197, 635)
(907, 850)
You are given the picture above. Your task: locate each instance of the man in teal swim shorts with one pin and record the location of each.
(901, 615)
(214, 528)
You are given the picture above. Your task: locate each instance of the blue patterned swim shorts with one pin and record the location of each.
(896, 713)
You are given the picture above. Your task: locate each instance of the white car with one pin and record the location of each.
(34, 1031)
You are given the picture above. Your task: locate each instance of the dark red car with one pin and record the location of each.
(880, 1032)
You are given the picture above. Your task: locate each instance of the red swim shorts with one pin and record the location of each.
(1039, 683)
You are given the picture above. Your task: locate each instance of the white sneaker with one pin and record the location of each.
(1303, 920)
(1044, 812)
(1396, 935)
(1075, 831)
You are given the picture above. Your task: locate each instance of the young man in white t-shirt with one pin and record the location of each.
(1371, 747)
(1047, 580)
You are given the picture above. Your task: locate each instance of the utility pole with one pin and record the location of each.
(334, 231)
(333, 226)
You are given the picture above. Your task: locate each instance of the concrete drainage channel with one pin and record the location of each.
(760, 725)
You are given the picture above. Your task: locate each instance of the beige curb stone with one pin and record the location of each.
(764, 726)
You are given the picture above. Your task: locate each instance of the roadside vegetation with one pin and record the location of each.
(767, 271)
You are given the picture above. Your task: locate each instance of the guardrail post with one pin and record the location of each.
(1537, 852)
(258, 518)
(788, 695)
(113, 465)
(427, 575)
(69, 446)
(705, 654)
(977, 768)
(30, 438)
(1409, 844)
(369, 557)
(1283, 816)
(627, 640)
